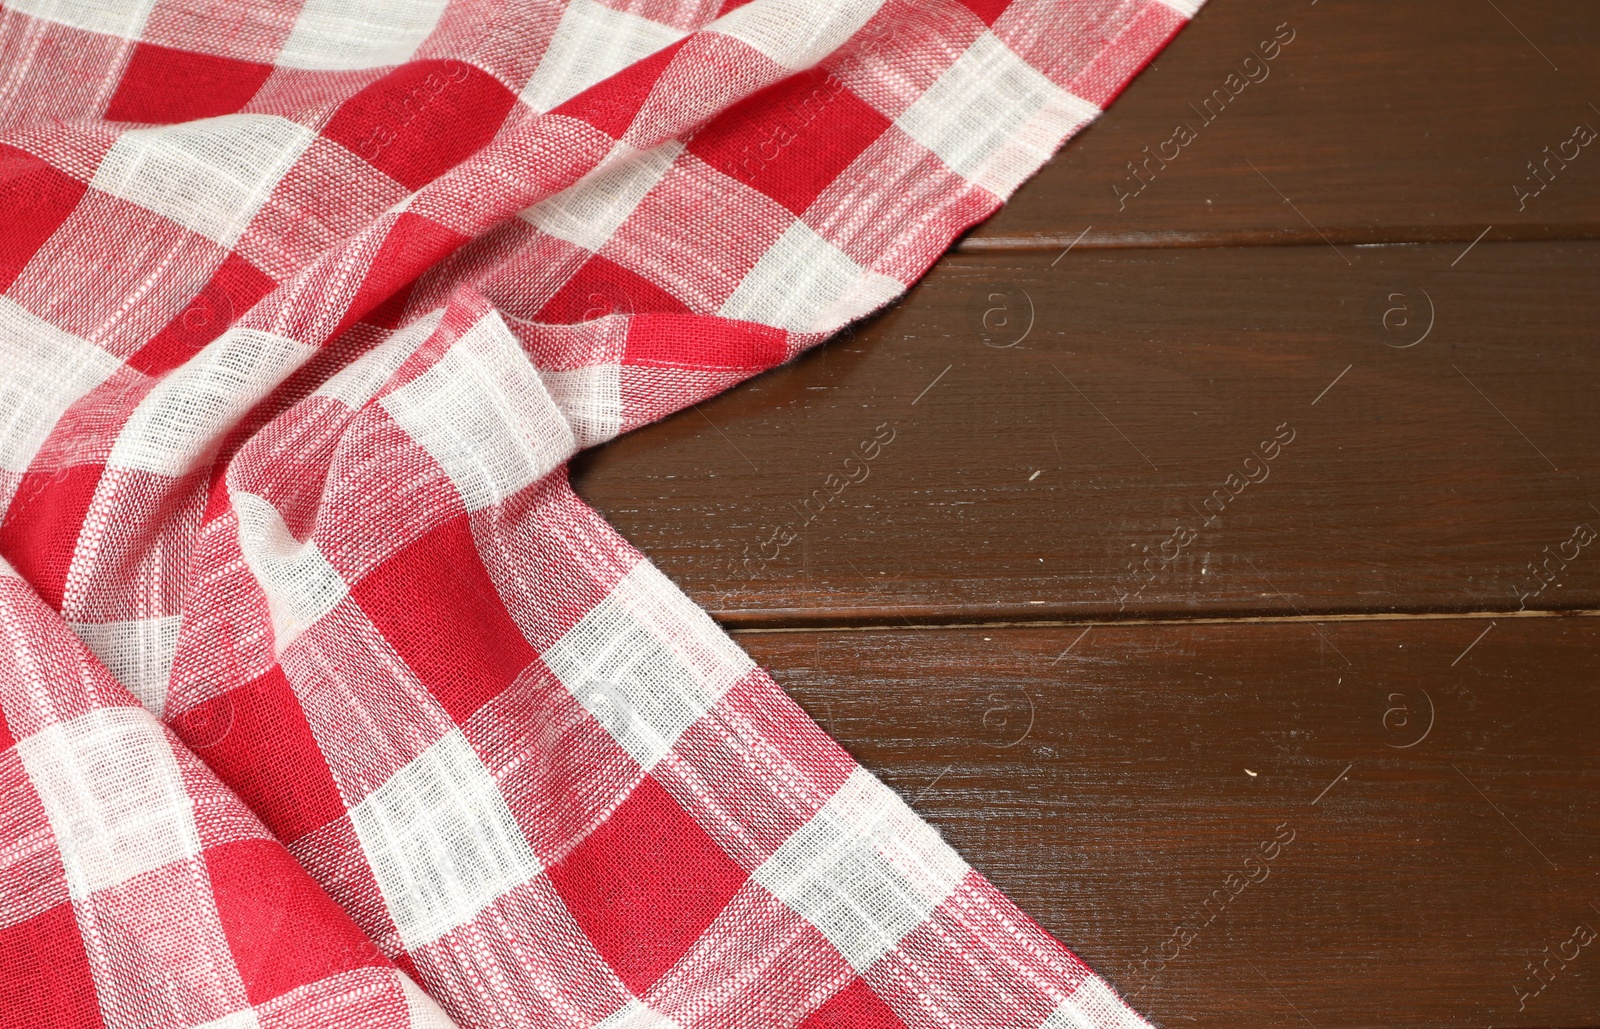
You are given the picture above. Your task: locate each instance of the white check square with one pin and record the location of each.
(138, 652)
(806, 284)
(636, 1015)
(592, 43)
(343, 35)
(110, 17)
(591, 398)
(1093, 1006)
(484, 415)
(993, 118)
(423, 1012)
(646, 663)
(441, 841)
(797, 33)
(210, 176)
(865, 870)
(299, 583)
(1187, 8)
(43, 371)
(183, 417)
(114, 796)
(587, 213)
(358, 382)
(635, 688)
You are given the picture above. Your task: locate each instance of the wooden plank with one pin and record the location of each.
(1111, 791)
(1381, 122)
(1036, 480)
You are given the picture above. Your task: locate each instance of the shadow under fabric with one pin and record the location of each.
(325, 701)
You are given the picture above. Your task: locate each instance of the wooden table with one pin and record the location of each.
(1226, 586)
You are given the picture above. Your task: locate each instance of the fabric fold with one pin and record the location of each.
(305, 309)
(135, 888)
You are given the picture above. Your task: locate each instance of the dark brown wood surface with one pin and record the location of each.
(1027, 480)
(1111, 791)
(1384, 646)
(1396, 121)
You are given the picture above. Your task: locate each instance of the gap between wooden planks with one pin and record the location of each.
(1357, 616)
(1213, 239)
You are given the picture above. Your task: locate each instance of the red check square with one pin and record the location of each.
(462, 644)
(45, 978)
(163, 85)
(646, 884)
(257, 739)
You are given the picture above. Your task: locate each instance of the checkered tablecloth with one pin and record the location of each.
(325, 701)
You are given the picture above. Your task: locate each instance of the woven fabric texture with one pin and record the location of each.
(323, 700)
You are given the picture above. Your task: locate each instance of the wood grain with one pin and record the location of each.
(1030, 477)
(1119, 750)
(1110, 791)
(1380, 121)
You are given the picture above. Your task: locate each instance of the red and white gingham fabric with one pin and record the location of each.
(325, 701)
